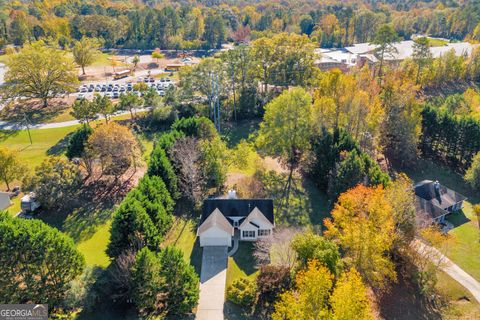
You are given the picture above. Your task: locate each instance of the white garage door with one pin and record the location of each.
(215, 241)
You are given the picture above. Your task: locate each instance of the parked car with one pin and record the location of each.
(80, 96)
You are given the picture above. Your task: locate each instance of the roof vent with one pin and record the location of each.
(232, 194)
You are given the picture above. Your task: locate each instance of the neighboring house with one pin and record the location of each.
(5, 200)
(435, 201)
(253, 218)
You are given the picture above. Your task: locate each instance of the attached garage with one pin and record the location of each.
(215, 231)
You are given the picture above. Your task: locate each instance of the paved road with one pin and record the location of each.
(453, 270)
(212, 283)
(20, 126)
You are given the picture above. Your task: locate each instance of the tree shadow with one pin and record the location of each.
(236, 131)
(5, 134)
(60, 147)
(196, 256)
(34, 111)
(244, 257)
(404, 302)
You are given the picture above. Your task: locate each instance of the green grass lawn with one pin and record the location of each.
(94, 248)
(461, 304)
(15, 207)
(242, 264)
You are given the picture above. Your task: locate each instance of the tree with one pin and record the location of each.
(147, 283)
(135, 61)
(115, 147)
(38, 262)
(85, 51)
(157, 54)
(349, 299)
(39, 72)
(130, 101)
(84, 111)
(55, 182)
(363, 226)
(186, 158)
(472, 176)
(11, 167)
(310, 298)
(103, 105)
(182, 281)
(286, 129)
(132, 229)
(214, 161)
(421, 55)
(77, 142)
(400, 129)
(385, 37)
(160, 165)
(401, 197)
(270, 283)
(310, 246)
(306, 24)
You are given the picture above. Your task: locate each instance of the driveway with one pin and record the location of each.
(213, 277)
(453, 270)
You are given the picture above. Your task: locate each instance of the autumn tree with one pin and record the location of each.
(349, 299)
(85, 51)
(39, 72)
(11, 168)
(271, 282)
(286, 129)
(115, 147)
(310, 298)
(385, 38)
(103, 105)
(363, 226)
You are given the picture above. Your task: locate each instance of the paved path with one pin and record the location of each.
(236, 239)
(213, 277)
(453, 270)
(20, 126)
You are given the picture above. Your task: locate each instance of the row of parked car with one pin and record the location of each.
(115, 90)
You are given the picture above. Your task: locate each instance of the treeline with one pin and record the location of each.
(453, 140)
(200, 24)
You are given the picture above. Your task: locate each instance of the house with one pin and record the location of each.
(5, 200)
(223, 217)
(435, 201)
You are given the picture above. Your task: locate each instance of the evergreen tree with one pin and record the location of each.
(160, 165)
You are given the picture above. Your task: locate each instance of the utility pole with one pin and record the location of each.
(28, 128)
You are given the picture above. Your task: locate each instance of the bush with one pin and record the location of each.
(472, 176)
(201, 127)
(76, 143)
(242, 292)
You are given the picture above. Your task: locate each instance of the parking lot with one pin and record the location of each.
(115, 89)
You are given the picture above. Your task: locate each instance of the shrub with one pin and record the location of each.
(243, 292)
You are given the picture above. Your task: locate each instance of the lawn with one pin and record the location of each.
(242, 264)
(466, 248)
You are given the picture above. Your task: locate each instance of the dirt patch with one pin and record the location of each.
(273, 164)
(233, 178)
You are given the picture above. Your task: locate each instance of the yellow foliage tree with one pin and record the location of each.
(363, 226)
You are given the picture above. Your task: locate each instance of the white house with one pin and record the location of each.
(253, 218)
(4, 200)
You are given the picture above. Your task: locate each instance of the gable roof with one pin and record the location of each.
(442, 198)
(237, 208)
(216, 219)
(256, 214)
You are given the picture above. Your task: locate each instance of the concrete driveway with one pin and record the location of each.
(212, 283)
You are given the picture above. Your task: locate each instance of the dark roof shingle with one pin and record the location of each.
(238, 207)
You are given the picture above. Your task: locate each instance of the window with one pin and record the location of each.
(248, 234)
(263, 232)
